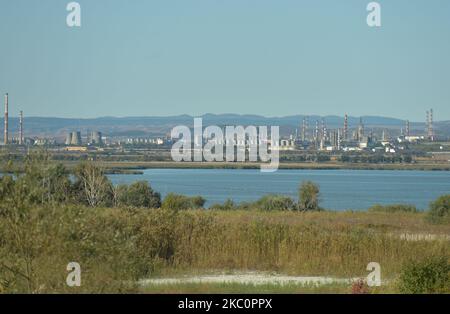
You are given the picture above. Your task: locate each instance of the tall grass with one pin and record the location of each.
(116, 247)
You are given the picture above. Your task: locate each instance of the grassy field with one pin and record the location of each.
(117, 247)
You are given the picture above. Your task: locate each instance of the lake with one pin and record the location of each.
(340, 189)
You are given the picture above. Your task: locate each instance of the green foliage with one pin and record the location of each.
(43, 182)
(395, 208)
(227, 205)
(309, 196)
(6, 187)
(440, 210)
(138, 194)
(275, 202)
(431, 275)
(181, 202)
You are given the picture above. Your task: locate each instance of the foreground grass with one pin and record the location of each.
(116, 247)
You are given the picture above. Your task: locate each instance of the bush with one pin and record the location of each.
(395, 208)
(181, 202)
(440, 210)
(308, 196)
(275, 202)
(227, 205)
(138, 194)
(429, 276)
(360, 287)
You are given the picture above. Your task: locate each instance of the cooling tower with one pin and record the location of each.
(69, 139)
(76, 138)
(96, 138)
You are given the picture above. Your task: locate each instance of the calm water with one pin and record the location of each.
(340, 189)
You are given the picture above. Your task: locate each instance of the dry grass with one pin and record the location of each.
(116, 246)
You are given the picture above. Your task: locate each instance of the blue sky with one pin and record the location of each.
(274, 58)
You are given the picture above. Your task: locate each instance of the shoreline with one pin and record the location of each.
(139, 167)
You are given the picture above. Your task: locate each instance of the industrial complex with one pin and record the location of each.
(309, 136)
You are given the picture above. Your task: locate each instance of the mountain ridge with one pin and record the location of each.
(161, 125)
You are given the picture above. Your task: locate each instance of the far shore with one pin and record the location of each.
(137, 167)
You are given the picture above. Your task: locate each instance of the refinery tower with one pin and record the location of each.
(5, 135)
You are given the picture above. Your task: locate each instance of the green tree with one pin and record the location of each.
(139, 194)
(309, 196)
(42, 181)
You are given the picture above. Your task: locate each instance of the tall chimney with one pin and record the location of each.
(346, 127)
(430, 126)
(5, 140)
(21, 128)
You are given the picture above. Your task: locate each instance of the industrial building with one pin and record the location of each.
(6, 138)
(73, 138)
(96, 138)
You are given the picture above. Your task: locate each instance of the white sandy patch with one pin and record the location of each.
(248, 278)
(424, 237)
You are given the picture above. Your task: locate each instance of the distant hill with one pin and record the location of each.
(159, 126)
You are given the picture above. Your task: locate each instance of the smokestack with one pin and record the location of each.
(346, 127)
(21, 128)
(305, 129)
(430, 125)
(5, 139)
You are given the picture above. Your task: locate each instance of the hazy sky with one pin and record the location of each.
(268, 57)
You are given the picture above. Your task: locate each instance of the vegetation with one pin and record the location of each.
(431, 275)
(440, 210)
(119, 235)
(138, 194)
(308, 195)
(181, 202)
(396, 208)
(275, 202)
(227, 205)
(117, 247)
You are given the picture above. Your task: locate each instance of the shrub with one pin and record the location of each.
(395, 208)
(440, 210)
(360, 287)
(227, 205)
(428, 276)
(275, 202)
(309, 196)
(138, 194)
(181, 202)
